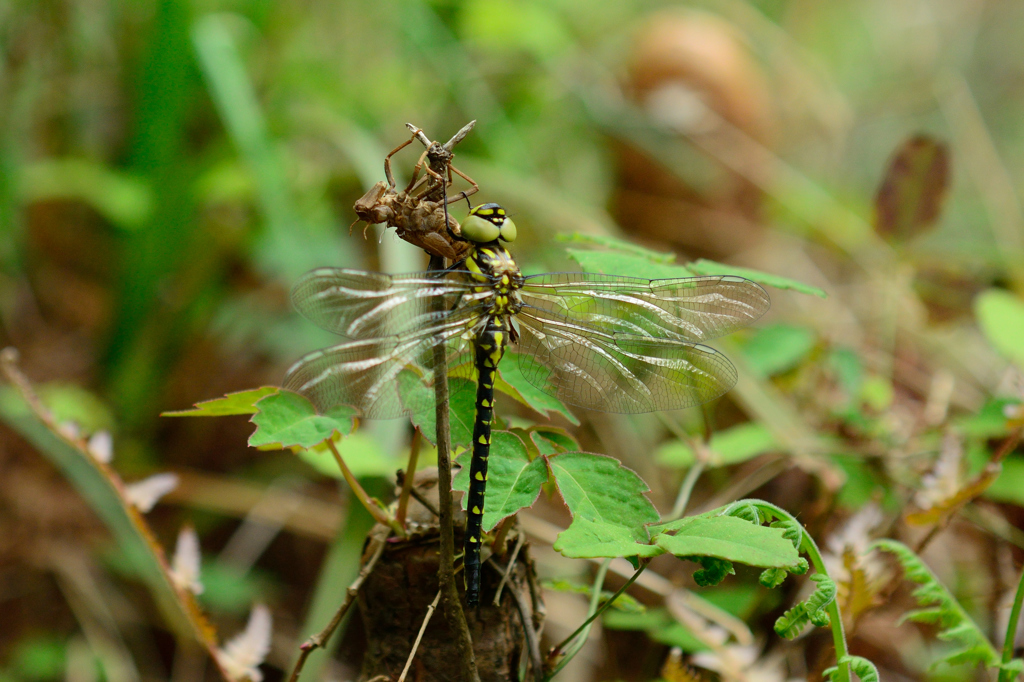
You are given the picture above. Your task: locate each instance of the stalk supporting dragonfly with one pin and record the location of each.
(601, 342)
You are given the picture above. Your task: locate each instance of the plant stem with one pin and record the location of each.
(378, 514)
(594, 612)
(410, 473)
(836, 618)
(1011, 632)
(446, 570)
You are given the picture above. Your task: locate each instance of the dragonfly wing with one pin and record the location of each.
(625, 373)
(366, 305)
(374, 375)
(691, 308)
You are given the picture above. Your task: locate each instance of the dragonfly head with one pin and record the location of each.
(488, 222)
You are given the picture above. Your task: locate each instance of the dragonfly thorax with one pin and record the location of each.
(496, 270)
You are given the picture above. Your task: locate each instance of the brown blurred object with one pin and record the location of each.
(692, 73)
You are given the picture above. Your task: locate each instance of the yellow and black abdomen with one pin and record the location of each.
(497, 271)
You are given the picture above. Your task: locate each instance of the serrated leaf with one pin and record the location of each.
(287, 419)
(461, 407)
(732, 539)
(731, 446)
(910, 197)
(511, 381)
(599, 489)
(242, 402)
(1001, 318)
(710, 267)
(513, 481)
(551, 440)
(589, 539)
(777, 348)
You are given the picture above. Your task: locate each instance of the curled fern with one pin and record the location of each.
(791, 530)
(746, 510)
(813, 610)
(864, 669)
(713, 570)
(942, 609)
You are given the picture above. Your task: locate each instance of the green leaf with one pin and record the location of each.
(287, 419)
(513, 481)
(617, 263)
(511, 381)
(910, 197)
(124, 200)
(608, 506)
(69, 402)
(589, 539)
(849, 370)
(731, 446)
(778, 348)
(708, 267)
(659, 626)
(419, 398)
(361, 452)
(989, 422)
(1009, 487)
(618, 245)
(242, 402)
(729, 538)
(551, 440)
(1001, 317)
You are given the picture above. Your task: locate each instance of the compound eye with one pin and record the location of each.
(479, 230)
(508, 230)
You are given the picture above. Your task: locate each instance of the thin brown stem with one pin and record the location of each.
(378, 514)
(532, 637)
(318, 640)
(410, 473)
(419, 636)
(446, 571)
(508, 568)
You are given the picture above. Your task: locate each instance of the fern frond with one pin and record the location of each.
(864, 669)
(713, 570)
(813, 610)
(940, 608)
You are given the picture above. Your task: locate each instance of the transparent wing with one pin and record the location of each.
(690, 309)
(617, 372)
(383, 378)
(366, 305)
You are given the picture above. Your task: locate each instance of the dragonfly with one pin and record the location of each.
(601, 342)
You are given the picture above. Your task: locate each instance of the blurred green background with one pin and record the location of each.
(168, 168)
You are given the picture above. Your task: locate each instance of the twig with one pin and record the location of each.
(532, 637)
(410, 473)
(378, 514)
(446, 571)
(499, 537)
(419, 636)
(201, 629)
(425, 502)
(508, 568)
(973, 488)
(318, 640)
